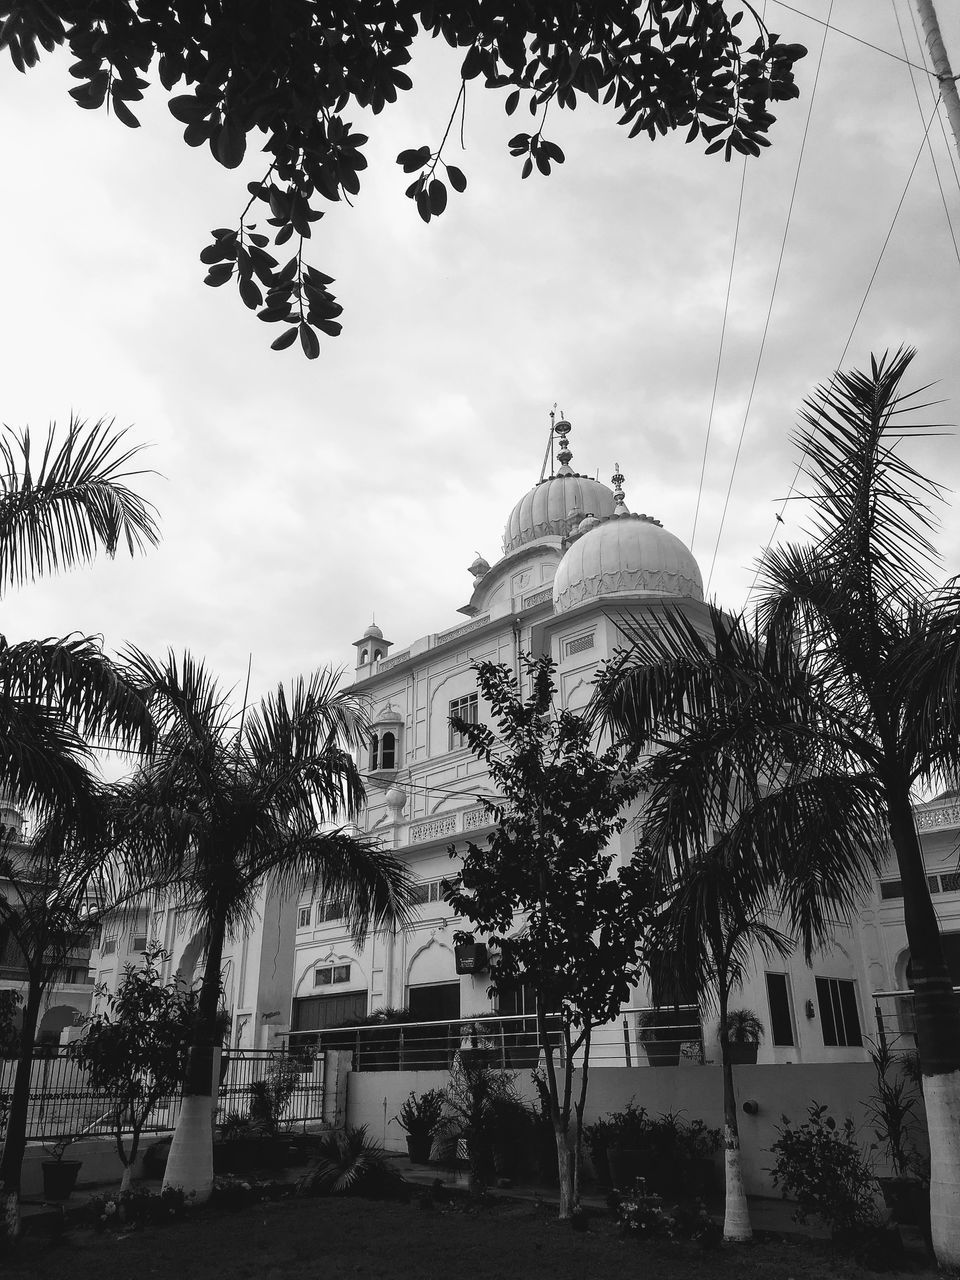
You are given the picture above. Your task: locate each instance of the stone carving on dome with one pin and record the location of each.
(626, 581)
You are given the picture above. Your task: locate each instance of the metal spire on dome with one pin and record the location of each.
(563, 429)
(620, 509)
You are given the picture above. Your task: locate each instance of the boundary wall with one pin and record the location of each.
(373, 1099)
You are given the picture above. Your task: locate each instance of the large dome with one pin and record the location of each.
(626, 555)
(554, 508)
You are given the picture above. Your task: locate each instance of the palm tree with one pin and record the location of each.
(877, 704)
(703, 939)
(56, 889)
(227, 806)
(55, 512)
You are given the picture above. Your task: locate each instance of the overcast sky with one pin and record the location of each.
(299, 498)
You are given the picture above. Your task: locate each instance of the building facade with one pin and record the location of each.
(574, 557)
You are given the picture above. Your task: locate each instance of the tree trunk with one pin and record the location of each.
(564, 1168)
(15, 1142)
(938, 1031)
(190, 1163)
(736, 1219)
(127, 1178)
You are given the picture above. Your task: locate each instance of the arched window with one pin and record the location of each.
(388, 756)
(364, 654)
(374, 751)
(377, 655)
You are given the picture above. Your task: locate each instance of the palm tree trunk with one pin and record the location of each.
(15, 1142)
(736, 1219)
(190, 1163)
(938, 1031)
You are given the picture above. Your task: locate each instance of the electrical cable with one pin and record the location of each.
(723, 330)
(778, 519)
(773, 294)
(850, 36)
(933, 158)
(943, 128)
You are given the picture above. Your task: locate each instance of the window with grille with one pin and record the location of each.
(326, 975)
(951, 882)
(329, 911)
(303, 918)
(466, 709)
(427, 891)
(839, 1019)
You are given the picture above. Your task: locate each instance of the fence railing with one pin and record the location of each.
(64, 1104)
(896, 1020)
(640, 1037)
(241, 1071)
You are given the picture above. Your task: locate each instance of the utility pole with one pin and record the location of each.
(941, 65)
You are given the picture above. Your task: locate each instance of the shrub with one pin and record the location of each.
(420, 1115)
(641, 1214)
(135, 1208)
(820, 1163)
(348, 1163)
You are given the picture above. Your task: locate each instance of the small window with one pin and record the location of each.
(377, 655)
(778, 998)
(466, 709)
(109, 946)
(427, 891)
(374, 751)
(138, 943)
(303, 917)
(951, 882)
(328, 974)
(891, 889)
(839, 1019)
(364, 653)
(329, 911)
(388, 754)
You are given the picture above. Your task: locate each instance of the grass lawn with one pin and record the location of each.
(354, 1239)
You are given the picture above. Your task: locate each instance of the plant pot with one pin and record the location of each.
(908, 1200)
(59, 1178)
(419, 1146)
(743, 1054)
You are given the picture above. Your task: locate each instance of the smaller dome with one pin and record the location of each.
(396, 798)
(554, 507)
(625, 555)
(373, 632)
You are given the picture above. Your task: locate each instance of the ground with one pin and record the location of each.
(354, 1239)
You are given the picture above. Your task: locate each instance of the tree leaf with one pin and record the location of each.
(457, 178)
(286, 339)
(309, 341)
(438, 197)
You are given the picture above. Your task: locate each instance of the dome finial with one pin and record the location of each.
(563, 429)
(616, 480)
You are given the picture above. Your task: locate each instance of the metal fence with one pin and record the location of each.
(638, 1038)
(64, 1104)
(896, 1021)
(243, 1070)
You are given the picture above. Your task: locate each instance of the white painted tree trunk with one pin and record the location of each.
(736, 1218)
(190, 1163)
(11, 1214)
(941, 1098)
(126, 1179)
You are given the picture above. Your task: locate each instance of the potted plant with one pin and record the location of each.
(744, 1033)
(892, 1111)
(421, 1117)
(59, 1175)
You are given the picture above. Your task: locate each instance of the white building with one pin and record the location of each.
(573, 557)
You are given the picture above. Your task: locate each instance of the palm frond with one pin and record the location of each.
(60, 509)
(872, 509)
